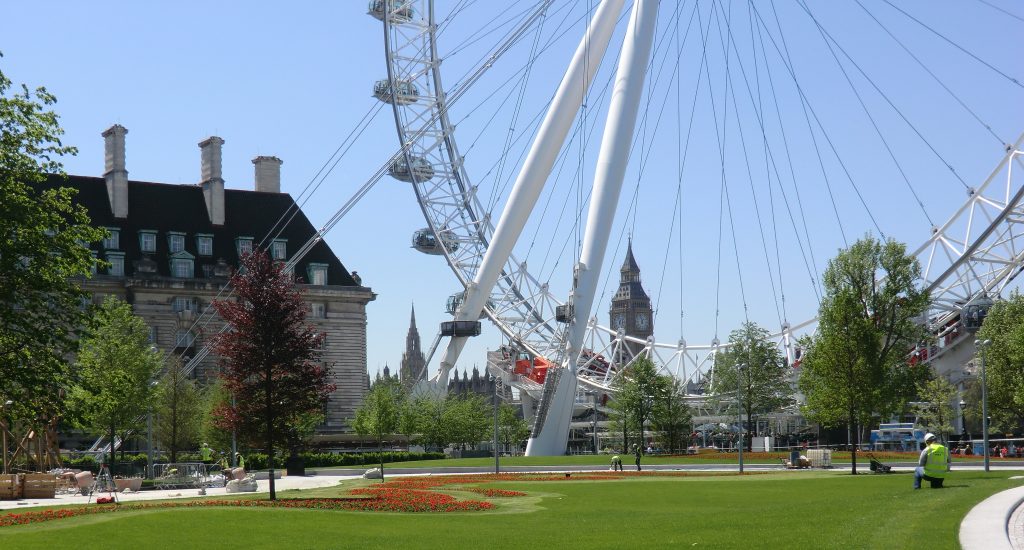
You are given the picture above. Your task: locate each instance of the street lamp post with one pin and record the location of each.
(740, 370)
(983, 345)
(963, 420)
(497, 466)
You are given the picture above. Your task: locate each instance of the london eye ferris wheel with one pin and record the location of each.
(737, 145)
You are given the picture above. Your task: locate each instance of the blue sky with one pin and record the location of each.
(293, 79)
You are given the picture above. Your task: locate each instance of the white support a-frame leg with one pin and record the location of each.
(611, 169)
(534, 173)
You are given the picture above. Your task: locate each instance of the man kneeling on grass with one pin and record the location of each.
(933, 464)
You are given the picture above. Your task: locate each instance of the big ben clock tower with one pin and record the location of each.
(631, 310)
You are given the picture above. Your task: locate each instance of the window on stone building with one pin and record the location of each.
(317, 274)
(176, 242)
(319, 310)
(147, 241)
(279, 249)
(116, 264)
(208, 270)
(185, 303)
(92, 268)
(152, 335)
(204, 245)
(182, 268)
(113, 241)
(184, 339)
(244, 245)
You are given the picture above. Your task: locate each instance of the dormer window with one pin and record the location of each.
(113, 241)
(204, 245)
(182, 265)
(317, 274)
(279, 249)
(116, 260)
(244, 245)
(147, 241)
(176, 242)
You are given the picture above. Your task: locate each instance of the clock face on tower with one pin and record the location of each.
(619, 321)
(642, 321)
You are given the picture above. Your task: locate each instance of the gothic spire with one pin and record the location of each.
(630, 263)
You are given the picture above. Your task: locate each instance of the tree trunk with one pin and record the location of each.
(853, 449)
(270, 435)
(110, 455)
(748, 439)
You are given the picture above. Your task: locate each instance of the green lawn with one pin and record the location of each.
(786, 509)
(604, 460)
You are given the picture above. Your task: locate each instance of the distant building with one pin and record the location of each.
(172, 247)
(630, 310)
(474, 383)
(413, 368)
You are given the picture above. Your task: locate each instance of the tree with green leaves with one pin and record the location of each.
(215, 397)
(762, 382)
(639, 389)
(855, 367)
(380, 414)
(512, 429)
(672, 417)
(178, 411)
(934, 406)
(116, 366)
(1004, 325)
(468, 418)
(43, 252)
(430, 421)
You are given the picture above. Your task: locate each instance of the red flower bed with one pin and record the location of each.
(495, 492)
(411, 494)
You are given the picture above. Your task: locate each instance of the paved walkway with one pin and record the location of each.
(285, 483)
(996, 523)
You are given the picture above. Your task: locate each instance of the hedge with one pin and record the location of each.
(258, 461)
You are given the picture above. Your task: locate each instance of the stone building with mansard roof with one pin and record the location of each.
(172, 248)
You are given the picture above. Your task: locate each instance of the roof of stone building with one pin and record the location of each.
(181, 208)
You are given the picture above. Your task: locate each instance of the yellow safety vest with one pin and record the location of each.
(936, 463)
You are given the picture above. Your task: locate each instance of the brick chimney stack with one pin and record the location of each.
(114, 171)
(212, 181)
(268, 174)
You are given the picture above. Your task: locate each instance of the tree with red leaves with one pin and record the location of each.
(269, 358)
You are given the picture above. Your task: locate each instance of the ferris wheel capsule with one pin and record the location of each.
(395, 10)
(407, 92)
(973, 315)
(425, 241)
(455, 302)
(421, 170)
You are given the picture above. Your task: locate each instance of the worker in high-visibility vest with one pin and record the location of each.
(206, 454)
(933, 464)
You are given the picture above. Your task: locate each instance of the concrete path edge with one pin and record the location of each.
(985, 526)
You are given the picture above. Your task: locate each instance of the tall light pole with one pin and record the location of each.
(741, 369)
(983, 345)
(497, 466)
(963, 420)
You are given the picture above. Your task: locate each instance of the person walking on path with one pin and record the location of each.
(933, 464)
(637, 453)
